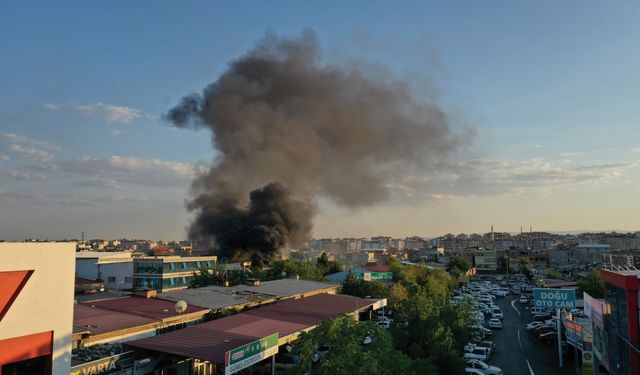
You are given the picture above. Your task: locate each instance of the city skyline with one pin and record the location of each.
(543, 93)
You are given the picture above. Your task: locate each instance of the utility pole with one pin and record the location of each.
(559, 337)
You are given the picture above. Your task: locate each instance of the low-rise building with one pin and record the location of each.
(36, 307)
(167, 273)
(115, 269)
(485, 261)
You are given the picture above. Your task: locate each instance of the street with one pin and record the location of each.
(516, 351)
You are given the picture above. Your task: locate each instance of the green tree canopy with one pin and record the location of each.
(459, 265)
(354, 348)
(363, 289)
(592, 284)
(327, 266)
(285, 268)
(550, 273)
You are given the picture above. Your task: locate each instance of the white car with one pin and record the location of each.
(495, 323)
(533, 325)
(473, 371)
(523, 299)
(484, 368)
(497, 313)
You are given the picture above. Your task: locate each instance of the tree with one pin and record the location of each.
(397, 294)
(592, 284)
(427, 327)
(525, 268)
(431, 329)
(363, 289)
(285, 268)
(550, 273)
(459, 265)
(327, 266)
(355, 348)
(206, 276)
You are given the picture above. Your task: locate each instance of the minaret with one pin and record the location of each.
(493, 238)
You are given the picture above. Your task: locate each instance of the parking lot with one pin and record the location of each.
(516, 351)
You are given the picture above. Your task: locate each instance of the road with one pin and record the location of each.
(516, 351)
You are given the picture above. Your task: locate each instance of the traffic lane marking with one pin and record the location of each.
(515, 308)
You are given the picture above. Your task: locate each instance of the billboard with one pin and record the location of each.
(554, 298)
(249, 354)
(374, 276)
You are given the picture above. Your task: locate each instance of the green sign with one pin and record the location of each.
(249, 354)
(377, 276)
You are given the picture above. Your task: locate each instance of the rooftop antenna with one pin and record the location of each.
(82, 236)
(181, 306)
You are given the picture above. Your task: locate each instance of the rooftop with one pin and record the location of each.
(150, 308)
(102, 254)
(209, 341)
(97, 320)
(287, 287)
(215, 297)
(593, 245)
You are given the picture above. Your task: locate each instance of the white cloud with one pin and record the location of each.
(4, 157)
(146, 172)
(110, 112)
(24, 176)
(37, 198)
(444, 197)
(31, 153)
(50, 106)
(13, 138)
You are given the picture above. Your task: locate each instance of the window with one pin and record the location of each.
(172, 266)
(128, 279)
(111, 279)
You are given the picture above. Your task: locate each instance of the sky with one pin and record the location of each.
(546, 94)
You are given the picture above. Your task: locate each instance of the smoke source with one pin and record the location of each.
(289, 129)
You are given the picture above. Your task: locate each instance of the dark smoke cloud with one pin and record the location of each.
(279, 115)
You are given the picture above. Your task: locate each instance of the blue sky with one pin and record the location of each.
(550, 89)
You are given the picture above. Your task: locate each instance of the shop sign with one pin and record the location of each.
(249, 354)
(374, 276)
(119, 364)
(554, 298)
(587, 363)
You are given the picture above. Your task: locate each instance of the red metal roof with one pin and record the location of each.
(146, 307)
(97, 320)
(378, 268)
(209, 341)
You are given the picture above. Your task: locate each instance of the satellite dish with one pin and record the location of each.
(181, 306)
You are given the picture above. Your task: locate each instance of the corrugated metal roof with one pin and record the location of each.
(286, 287)
(151, 308)
(214, 297)
(209, 341)
(97, 320)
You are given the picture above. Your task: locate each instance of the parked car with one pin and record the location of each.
(482, 353)
(487, 344)
(496, 313)
(548, 338)
(286, 360)
(472, 356)
(495, 323)
(538, 310)
(542, 330)
(523, 300)
(473, 371)
(484, 368)
(533, 325)
(321, 351)
(540, 317)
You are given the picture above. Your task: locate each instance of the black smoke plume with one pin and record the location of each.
(289, 129)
